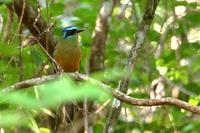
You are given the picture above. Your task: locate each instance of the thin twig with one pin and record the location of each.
(20, 20)
(51, 58)
(102, 106)
(38, 16)
(21, 17)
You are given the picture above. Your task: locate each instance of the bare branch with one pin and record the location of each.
(29, 83)
(156, 102)
(117, 94)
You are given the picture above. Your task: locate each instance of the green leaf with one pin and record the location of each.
(56, 9)
(21, 99)
(8, 50)
(5, 1)
(65, 90)
(9, 119)
(45, 130)
(193, 101)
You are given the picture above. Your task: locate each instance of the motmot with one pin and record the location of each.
(68, 52)
(68, 56)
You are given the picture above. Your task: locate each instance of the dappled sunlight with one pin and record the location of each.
(180, 11)
(124, 1)
(128, 12)
(124, 45)
(162, 70)
(194, 35)
(157, 27)
(175, 42)
(192, 1)
(126, 115)
(175, 92)
(134, 68)
(185, 62)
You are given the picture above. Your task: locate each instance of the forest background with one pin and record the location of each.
(141, 52)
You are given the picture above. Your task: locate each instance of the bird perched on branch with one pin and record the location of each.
(68, 52)
(68, 56)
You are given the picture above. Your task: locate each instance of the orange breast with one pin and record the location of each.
(68, 56)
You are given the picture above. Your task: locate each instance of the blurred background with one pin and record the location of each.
(168, 64)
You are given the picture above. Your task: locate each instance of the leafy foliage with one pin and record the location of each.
(178, 62)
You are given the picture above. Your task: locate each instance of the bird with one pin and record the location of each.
(68, 56)
(68, 52)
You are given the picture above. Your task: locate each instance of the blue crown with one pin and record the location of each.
(69, 28)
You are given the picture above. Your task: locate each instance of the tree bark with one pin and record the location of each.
(99, 36)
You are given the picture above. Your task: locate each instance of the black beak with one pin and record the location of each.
(79, 30)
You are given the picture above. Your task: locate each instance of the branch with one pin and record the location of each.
(29, 83)
(156, 102)
(117, 94)
(37, 26)
(123, 85)
(99, 36)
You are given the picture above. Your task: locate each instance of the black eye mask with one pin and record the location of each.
(69, 33)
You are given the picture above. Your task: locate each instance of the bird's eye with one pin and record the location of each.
(70, 32)
(73, 31)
